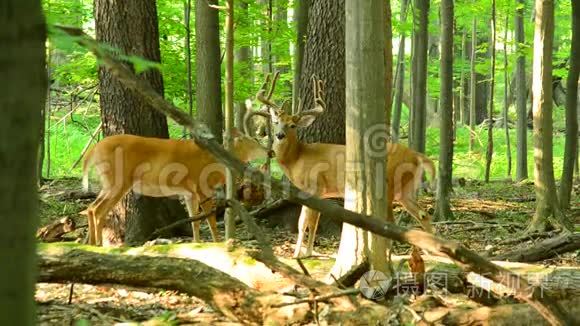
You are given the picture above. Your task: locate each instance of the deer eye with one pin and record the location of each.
(292, 126)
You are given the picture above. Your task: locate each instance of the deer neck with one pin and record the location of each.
(287, 149)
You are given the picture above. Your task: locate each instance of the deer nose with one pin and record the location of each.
(280, 135)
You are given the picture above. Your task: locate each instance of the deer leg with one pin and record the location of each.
(211, 220)
(100, 212)
(411, 206)
(312, 227)
(305, 221)
(192, 204)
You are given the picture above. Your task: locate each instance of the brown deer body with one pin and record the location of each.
(319, 169)
(158, 168)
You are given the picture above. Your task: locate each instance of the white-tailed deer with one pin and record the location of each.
(319, 169)
(158, 168)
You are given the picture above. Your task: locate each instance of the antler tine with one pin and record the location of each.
(261, 95)
(318, 94)
(273, 86)
(250, 114)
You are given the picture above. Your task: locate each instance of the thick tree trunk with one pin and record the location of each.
(546, 197)
(399, 79)
(489, 151)
(324, 45)
(301, 19)
(444, 187)
(571, 146)
(22, 97)
(521, 97)
(418, 125)
(131, 26)
(366, 187)
(208, 66)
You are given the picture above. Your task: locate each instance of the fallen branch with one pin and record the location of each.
(177, 223)
(544, 250)
(321, 298)
(54, 231)
(527, 237)
(203, 137)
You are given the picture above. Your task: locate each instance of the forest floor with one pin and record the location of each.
(485, 216)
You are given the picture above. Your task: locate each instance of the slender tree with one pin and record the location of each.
(463, 109)
(521, 96)
(187, 45)
(325, 44)
(489, 152)
(301, 19)
(229, 214)
(472, 85)
(444, 188)
(243, 57)
(399, 78)
(571, 145)
(22, 62)
(388, 62)
(131, 26)
(365, 183)
(208, 66)
(506, 98)
(418, 126)
(547, 208)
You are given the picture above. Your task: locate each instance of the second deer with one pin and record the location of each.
(318, 168)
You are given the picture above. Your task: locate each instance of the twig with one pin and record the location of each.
(70, 293)
(321, 298)
(526, 237)
(196, 218)
(84, 151)
(258, 233)
(302, 267)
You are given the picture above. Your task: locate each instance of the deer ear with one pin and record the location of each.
(305, 121)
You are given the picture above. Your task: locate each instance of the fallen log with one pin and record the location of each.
(546, 249)
(224, 293)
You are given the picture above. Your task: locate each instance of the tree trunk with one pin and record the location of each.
(489, 152)
(506, 99)
(521, 97)
(187, 45)
(472, 86)
(208, 67)
(301, 19)
(388, 62)
(244, 60)
(571, 146)
(131, 26)
(463, 108)
(266, 39)
(399, 79)
(365, 182)
(281, 48)
(444, 188)
(230, 224)
(546, 197)
(324, 44)
(22, 96)
(419, 76)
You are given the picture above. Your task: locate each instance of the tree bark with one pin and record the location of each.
(388, 62)
(366, 187)
(208, 66)
(418, 125)
(547, 207)
(444, 187)
(324, 44)
(230, 224)
(131, 27)
(301, 19)
(521, 96)
(187, 46)
(571, 145)
(489, 152)
(23, 90)
(399, 79)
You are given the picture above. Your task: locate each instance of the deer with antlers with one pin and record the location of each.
(319, 168)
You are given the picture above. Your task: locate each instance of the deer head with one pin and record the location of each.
(284, 124)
